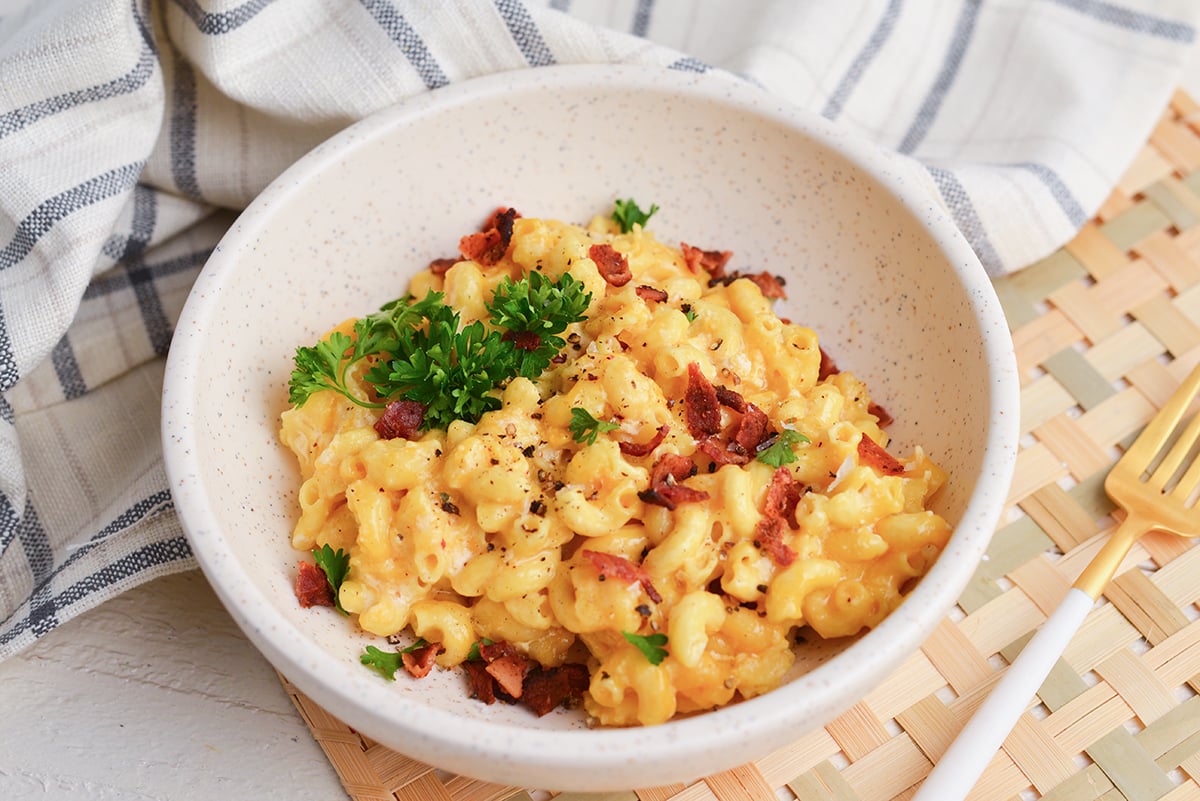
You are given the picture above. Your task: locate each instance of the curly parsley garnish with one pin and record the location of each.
(585, 428)
(422, 352)
(336, 566)
(652, 646)
(386, 663)
(780, 452)
(627, 212)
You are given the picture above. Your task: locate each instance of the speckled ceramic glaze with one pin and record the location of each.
(871, 262)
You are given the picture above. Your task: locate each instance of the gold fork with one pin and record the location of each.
(1149, 486)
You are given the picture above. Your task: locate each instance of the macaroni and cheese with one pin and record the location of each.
(690, 471)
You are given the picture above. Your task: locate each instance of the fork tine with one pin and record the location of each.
(1156, 434)
(1174, 458)
(1188, 483)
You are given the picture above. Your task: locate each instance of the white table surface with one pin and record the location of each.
(155, 694)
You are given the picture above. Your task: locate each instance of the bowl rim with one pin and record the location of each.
(648, 755)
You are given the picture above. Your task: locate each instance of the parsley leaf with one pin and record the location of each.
(652, 646)
(780, 452)
(585, 428)
(422, 352)
(473, 654)
(336, 566)
(386, 663)
(627, 212)
(324, 365)
(535, 310)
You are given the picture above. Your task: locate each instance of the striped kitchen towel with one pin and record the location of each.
(132, 130)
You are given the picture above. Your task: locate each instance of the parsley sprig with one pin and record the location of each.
(386, 663)
(585, 428)
(336, 566)
(627, 212)
(780, 452)
(422, 352)
(652, 646)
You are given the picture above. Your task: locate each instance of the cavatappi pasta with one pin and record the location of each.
(495, 530)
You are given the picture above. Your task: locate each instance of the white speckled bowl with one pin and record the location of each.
(872, 262)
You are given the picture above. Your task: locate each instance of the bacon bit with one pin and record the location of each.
(712, 261)
(490, 652)
(671, 467)
(752, 429)
(401, 418)
(611, 263)
(769, 534)
(502, 217)
(547, 689)
(720, 452)
(828, 366)
(651, 293)
(770, 285)
(671, 495)
(509, 673)
(727, 397)
(783, 494)
(312, 588)
(703, 410)
(611, 565)
(885, 419)
(523, 340)
(489, 245)
(645, 448)
(440, 266)
(663, 491)
(483, 686)
(421, 661)
(872, 454)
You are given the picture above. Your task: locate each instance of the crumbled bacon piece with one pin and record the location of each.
(783, 494)
(312, 588)
(440, 266)
(509, 673)
(885, 419)
(727, 397)
(547, 689)
(769, 534)
(492, 651)
(871, 453)
(671, 467)
(663, 491)
(712, 261)
(488, 246)
(645, 448)
(770, 285)
(721, 452)
(671, 495)
(611, 565)
(483, 686)
(523, 340)
(611, 263)
(828, 366)
(703, 410)
(420, 661)
(401, 418)
(752, 429)
(650, 293)
(501, 219)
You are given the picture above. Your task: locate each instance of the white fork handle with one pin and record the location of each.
(960, 767)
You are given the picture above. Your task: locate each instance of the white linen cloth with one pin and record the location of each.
(131, 130)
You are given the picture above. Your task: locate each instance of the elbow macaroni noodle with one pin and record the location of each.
(478, 531)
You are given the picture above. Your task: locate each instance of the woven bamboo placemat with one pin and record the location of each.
(1104, 330)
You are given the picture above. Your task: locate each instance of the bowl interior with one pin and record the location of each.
(894, 294)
